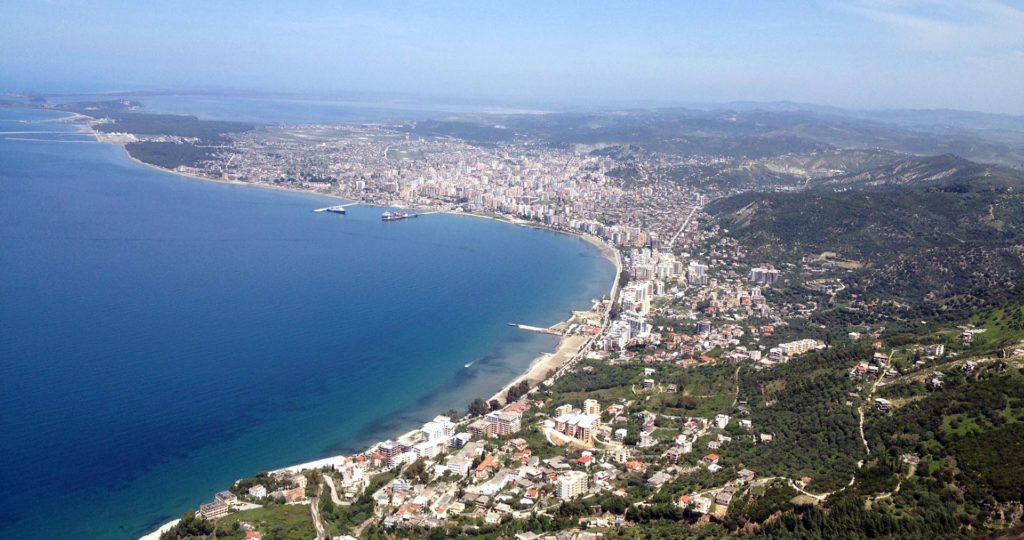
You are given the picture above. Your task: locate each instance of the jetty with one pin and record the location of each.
(537, 329)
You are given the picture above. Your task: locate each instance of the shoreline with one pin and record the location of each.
(569, 349)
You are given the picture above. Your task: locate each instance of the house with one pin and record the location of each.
(711, 458)
(701, 505)
(485, 467)
(745, 475)
(658, 479)
(673, 454)
(295, 494)
(725, 496)
(258, 491)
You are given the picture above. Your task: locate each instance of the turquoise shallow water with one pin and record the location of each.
(161, 336)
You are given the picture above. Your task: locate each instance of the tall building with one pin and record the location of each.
(572, 484)
(591, 406)
(638, 325)
(504, 423)
(578, 426)
(635, 297)
(703, 327)
(764, 276)
(696, 274)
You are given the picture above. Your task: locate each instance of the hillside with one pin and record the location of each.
(914, 171)
(919, 230)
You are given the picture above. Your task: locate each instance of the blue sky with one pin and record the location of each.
(861, 53)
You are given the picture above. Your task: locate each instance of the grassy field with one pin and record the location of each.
(278, 522)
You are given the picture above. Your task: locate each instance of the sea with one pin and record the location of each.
(162, 336)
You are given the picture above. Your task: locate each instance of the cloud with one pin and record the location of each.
(945, 25)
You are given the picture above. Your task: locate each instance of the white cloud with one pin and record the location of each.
(943, 25)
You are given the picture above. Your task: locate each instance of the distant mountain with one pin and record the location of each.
(915, 171)
(741, 133)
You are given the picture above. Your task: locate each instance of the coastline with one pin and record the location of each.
(568, 350)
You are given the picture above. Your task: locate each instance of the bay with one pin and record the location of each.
(162, 336)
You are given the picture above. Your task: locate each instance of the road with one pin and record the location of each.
(318, 523)
(736, 377)
(867, 401)
(681, 229)
(334, 491)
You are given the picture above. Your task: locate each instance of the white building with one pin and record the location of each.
(638, 326)
(572, 484)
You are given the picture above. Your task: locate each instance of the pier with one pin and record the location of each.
(336, 209)
(537, 329)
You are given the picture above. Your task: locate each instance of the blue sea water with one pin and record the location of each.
(161, 337)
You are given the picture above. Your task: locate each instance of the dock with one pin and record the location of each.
(336, 209)
(537, 329)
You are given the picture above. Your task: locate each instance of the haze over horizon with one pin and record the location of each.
(861, 54)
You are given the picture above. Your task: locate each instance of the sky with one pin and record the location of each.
(858, 54)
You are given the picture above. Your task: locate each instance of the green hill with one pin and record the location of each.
(923, 231)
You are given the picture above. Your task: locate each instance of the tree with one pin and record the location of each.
(517, 391)
(478, 407)
(190, 525)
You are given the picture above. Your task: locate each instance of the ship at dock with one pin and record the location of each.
(395, 216)
(339, 209)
